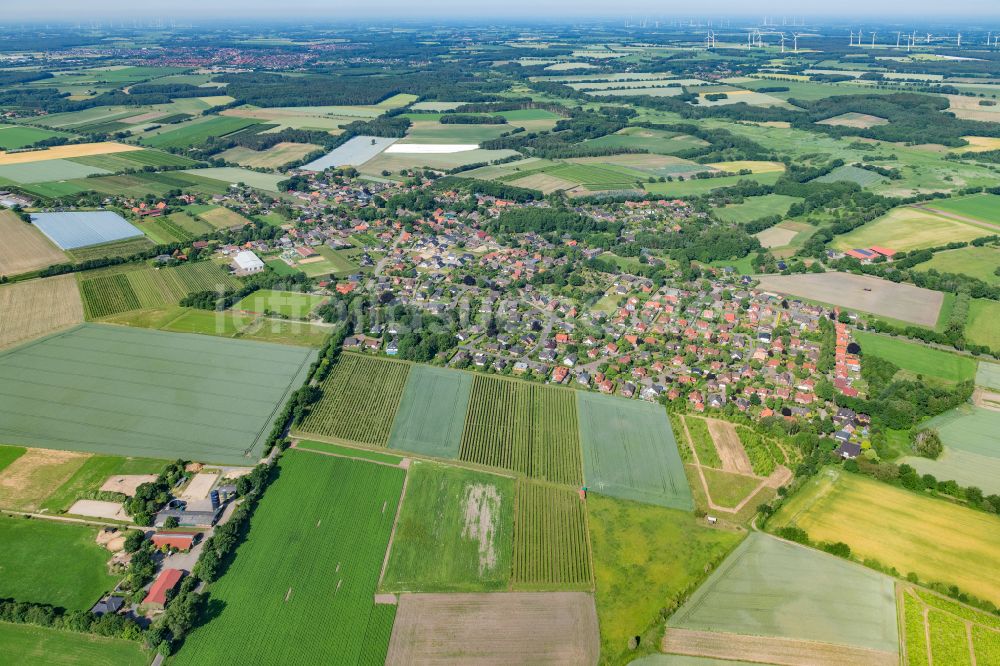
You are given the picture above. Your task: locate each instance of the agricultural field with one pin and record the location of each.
(135, 159)
(347, 451)
(856, 120)
(72, 230)
(916, 358)
(861, 292)
(910, 228)
(266, 329)
(550, 539)
(30, 173)
(698, 186)
(124, 248)
(274, 157)
(851, 174)
(13, 137)
(956, 631)
(302, 586)
(630, 451)
(55, 563)
(971, 455)
(360, 399)
(763, 454)
(63, 153)
(28, 644)
(24, 249)
(784, 235)
(727, 489)
(701, 439)
(977, 262)
(91, 475)
(642, 138)
(284, 303)
(988, 375)
(768, 587)
(197, 132)
(225, 176)
(668, 550)
(900, 529)
(394, 163)
(523, 427)
(756, 207)
(977, 207)
(25, 319)
(28, 480)
(496, 628)
(353, 152)
(431, 415)
(130, 391)
(981, 328)
(454, 533)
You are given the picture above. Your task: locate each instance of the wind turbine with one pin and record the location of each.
(782, 41)
(959, 40)
(898, 33)
(873, 39)
(851, 42)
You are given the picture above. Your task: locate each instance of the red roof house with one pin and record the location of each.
(163, 585)
(181, 540)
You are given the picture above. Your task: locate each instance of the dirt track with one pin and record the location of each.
(727, 443)
(783, 651)
(496, 628)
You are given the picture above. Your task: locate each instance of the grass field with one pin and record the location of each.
(272, 158)
(9, 454)
(23, 318)
(349, 452)
(522, 427)
(302, 586)
(360, 399)
(753, 208)
(988, 375)
(550, 539)
(900, 529)
(431, 414)
(28, 173)
(202, 322)
(265, 329)
(285, 303)
(666, 551)
(221, 217)
(232, 175)
(851, 174)
(24, 249)
(977, 262)
(728, 489)
(28, 480)
(37, 646)
(13, 137)
(90, 476)
(768, 587)
(984, 207)
(908, 228)
(454, 532)
(862, 292)
(53, 563)
(971, 456)
(981, 328)
(118, 390)
(630, 451)
(702, 441)
(916, 358)
(197, 132)
(642, 138)
(122, 248)
(698, 186)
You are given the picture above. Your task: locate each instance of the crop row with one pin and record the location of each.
(949, 642)
(763, 453)
(550, 538)
(377, 635)
(524, 428)
(916, 636)
(360, 399)
(108, 295)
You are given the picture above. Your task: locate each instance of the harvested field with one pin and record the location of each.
(861, 292)
(38, 307)
(968, 108)
(523, 427)
(431, 415)
(981, 144)
(121, 390)
(913, 228)
(64, 152)
(23, 248)
(276, 156)
(773, 588)
(126, 483)
(28, 480)
(499, 628)
(776, 237)
(544, 182)
(630, 451)
(760, 649)
(99, 509)
(360, 399)
(900, 529)
(727, 443)
(856, 120)
(223, 218)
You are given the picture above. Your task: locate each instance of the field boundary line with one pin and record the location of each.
(770, 649)
(701, 474)
(395, 524)
(340, 455)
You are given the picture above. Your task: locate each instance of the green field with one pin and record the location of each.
(916, 358)
(726, 488)
(646, 558)
(195, 133)
(133, 159)
(988, 375)
(768, 587)
(9, 454)
(349, 452)
(285, 303)
(266, 329)
(206, 322)
(906, 228)
(702, 441)
(753, 208)
(431, 414)
(630, 451)
(971, 455)
(13, 137)
(978, 262)
(851, 174)
(985, 207)
(48, 562)
(301, 588)
(46, 170)
(526, 428)
(233, 175)
(360, 399)
(550, 539)
(29, 645)
(454, 532)
(698, 186)
(945, 624)
(981, 328)
(900, 529)
(130, 391)
(642, 138)
(92, 475)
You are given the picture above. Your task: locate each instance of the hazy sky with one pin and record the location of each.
(326, 10)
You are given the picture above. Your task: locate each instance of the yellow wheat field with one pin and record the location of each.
(63, 152)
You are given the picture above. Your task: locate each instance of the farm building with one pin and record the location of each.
(247, 263)
(188, 518)
(162, 586)
(848, 450)
(110, 605)
(179, 540)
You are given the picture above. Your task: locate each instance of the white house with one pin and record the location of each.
(247, 263)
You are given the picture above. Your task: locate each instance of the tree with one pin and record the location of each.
(133, 540)
(171, 522)
(928, 444)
